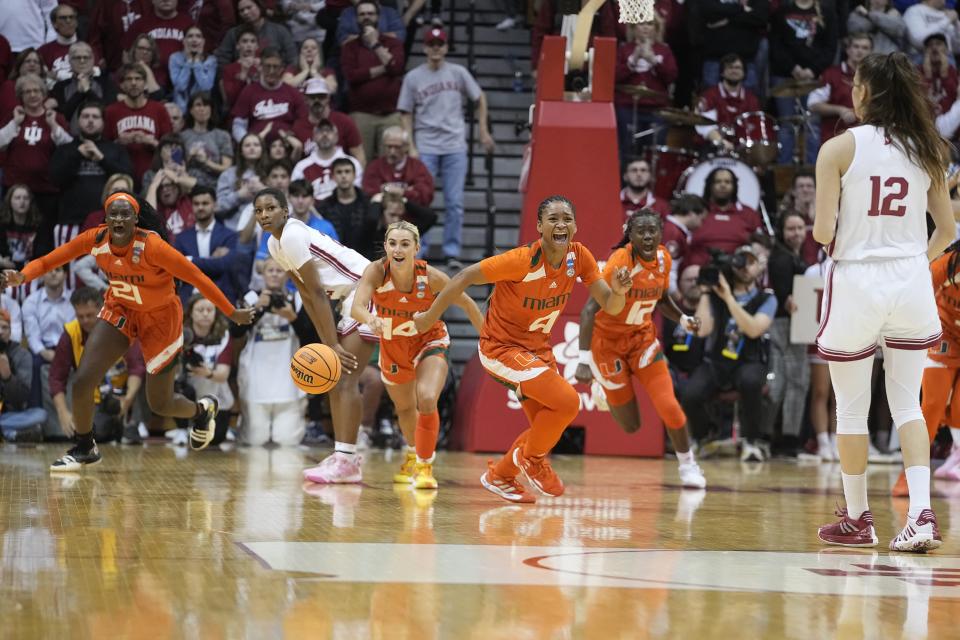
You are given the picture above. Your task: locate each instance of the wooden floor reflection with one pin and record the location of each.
(159, 543)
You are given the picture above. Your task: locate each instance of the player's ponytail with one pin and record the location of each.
(898, 102)
(952, 263)
(635, 218)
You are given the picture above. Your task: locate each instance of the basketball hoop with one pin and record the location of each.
(635, 11)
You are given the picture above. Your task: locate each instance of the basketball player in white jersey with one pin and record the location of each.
(323, 270)
(875, 183)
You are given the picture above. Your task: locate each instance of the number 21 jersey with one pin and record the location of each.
(883, 202)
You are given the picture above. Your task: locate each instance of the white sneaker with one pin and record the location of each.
(506, 24)
(364, 441)
(691, 476)
(177, 437)
(948, 470)
(920, 535)
(751, 452)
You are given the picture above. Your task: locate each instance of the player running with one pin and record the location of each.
(875, 183)
(412, 364)
(533, 285)
(324, 270)
(616, 348)
(141, 304)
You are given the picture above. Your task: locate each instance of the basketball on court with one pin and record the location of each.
(315, 368)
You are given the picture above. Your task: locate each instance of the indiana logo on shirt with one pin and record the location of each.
(33, 134)
(268, 109)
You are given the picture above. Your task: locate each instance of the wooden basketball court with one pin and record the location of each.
(160, 543)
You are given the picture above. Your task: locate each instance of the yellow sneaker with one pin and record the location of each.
(423, 476)
(405, 475)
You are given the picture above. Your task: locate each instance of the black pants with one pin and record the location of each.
(706, 380)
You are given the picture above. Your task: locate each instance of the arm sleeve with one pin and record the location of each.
(31, 325)
(354, 72)
(86, 269)
(890, 23)
(16, 390)
(511, 266)
(397, 63)
(227, 198)
(179, 72)
(405, 100)
(59, 256)
(60, 365)
(470, 85)
(819, 96)
(372, 181)
(394, 23)
(227, 50)
(588, 272)
(421, 186)
(178, 266)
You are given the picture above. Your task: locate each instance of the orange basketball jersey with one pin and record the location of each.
(650, 280)
(395, 308)
(530, 294)
(141, 274)
(948, 307)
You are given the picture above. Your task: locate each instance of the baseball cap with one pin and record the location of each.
(436, 33)
(316, 86)
(747, 249)
(934, 36)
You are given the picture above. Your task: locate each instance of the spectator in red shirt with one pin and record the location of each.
(373, 65)
(55, 53)
(396, 172)
(28, 62)
(833, 102)
(109, 24)
(270, 105)
(237, 75)
(165, 25)
(29, 140)
(938, 73)
(173, 205)
(135, 121)
(801, 200)
(317, 93)
(686, 215)
(729, 223)
(725, 101)
(643, 60)
(637, 192)
(6, 58)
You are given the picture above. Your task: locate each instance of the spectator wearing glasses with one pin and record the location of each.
(269, 106)
(55, 53)
(83, 84)
(165, 24)
(317, 92)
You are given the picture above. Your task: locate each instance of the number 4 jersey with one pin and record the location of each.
(530, 294)
(883, 202)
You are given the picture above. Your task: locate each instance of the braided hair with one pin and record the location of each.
(549, 200)
(635, 218)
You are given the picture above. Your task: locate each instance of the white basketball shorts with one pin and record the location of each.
(866, 302)
(348, 325)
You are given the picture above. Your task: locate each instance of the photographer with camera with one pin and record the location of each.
(272, 406)
(118, 390)
(734, 314)
(18, 421)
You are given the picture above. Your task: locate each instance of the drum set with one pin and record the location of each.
(752, 145)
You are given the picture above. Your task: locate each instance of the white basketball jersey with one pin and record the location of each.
(340, 266)
(883, 202)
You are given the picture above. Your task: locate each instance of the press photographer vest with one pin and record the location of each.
(751, 349)
(118, 372)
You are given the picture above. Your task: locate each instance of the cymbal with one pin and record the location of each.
(684, 118)
(794, 88)
(640, 91)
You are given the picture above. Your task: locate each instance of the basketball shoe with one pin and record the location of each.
(507, 488)
(337, 468)
(950, 469)
(77, 458)
(921, 534)
(405, 475)
(849, 532)
(691, 476)
(204, 426)
(539, 473)
(423, 476)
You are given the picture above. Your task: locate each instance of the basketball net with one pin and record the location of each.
(636, 11)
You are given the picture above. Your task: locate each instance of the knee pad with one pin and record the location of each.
(903, 375)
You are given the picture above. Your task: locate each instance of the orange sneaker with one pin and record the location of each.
(900, 489)
(507, 488)
(539, 474)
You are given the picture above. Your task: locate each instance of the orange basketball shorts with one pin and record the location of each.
(159, 330)
(400, 356)
(617, 360)
(512, 365)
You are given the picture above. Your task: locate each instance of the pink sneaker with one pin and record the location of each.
(950, 469)
(337, 468)
(849, 532)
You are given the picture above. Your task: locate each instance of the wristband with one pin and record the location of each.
(586, 357)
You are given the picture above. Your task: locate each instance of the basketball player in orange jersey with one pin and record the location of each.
(141, 304)
(875, 184)
(533, 285)
(615, 348)
(413, 365)
(941, 384)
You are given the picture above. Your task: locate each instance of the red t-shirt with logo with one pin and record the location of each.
(284, 106)
(151, 118)
(168, 33)
(28, 155)
(55, 56)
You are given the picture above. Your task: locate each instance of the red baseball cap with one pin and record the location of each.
(436, 33)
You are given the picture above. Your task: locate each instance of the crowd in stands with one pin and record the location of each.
(197, 104)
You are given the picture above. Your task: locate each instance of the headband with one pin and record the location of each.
(126, 197)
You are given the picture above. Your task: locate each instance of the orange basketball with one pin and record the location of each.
(315, 368)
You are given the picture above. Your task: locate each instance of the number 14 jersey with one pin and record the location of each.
(883, 202)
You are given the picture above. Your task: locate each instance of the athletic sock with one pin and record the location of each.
(426, 460)
(425, 437)
(85, 441)
(345, 448)
(855, 493)
(956, 436)
(918, 481)
(410, 450)
(823, 442)
(685, 458)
